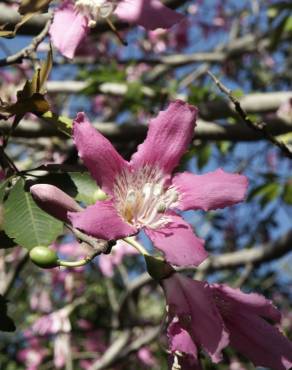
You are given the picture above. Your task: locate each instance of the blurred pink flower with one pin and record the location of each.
(33, 355)
(210, 316)
(72, 21)
(40, 301)
(146, 357)
(56, 322)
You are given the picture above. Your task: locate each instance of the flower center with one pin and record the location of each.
(142, 198)
(95, 9)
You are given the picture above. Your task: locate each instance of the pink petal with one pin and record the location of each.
(168, 137)
(68, 29)
(252, 302)
(260, 342)
(97, 153)
(102, 221)
(192, 302)
(180, 340)
(178, 242)
(150, 14)
(213, 190)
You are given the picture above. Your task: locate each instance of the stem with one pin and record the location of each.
(136, 245)
(113, 28)
(79, 263)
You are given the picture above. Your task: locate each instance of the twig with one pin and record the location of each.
(13, 273)
(256, 126)
(28, 50)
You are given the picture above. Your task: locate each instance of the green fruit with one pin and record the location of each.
(44, 257)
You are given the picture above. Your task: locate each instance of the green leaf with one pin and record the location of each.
(3, 186)
(25, 222)
(269, 193)
(88, 191)
(266, 192)
(287, 192)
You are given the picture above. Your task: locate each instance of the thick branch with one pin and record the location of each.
(137, 133)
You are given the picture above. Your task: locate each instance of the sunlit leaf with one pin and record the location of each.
(25, 222)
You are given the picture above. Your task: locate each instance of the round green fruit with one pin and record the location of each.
(44, 257)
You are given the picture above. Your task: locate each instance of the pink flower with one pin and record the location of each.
(33, 355)
(72, 22)
(108, 262)
(210, 316)
(142, 193)
(53, 323)
(146, 357)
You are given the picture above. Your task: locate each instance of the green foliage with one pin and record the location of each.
(88, 191)
(266, 192)
(25, 222)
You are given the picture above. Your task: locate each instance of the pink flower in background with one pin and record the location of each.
(142, 193)
(40, 301)
(108, 262)
(53, 323)
(215, 315)
(33, 355)
(146, 357)
(72, 21)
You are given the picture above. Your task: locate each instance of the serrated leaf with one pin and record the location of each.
(25, 222)
(87, 189)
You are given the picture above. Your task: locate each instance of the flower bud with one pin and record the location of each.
(54, 201)
(44, 257)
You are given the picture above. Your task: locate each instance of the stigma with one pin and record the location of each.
(95, 9)
(142, 198)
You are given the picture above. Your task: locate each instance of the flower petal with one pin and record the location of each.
(252, 302)
(101, 221)
(193, 303)
(98, 154)
(150, 14)
(68, 29)
(180, 340)
(260, 342)
(168, 137)
(213, 190)
(178, 242)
